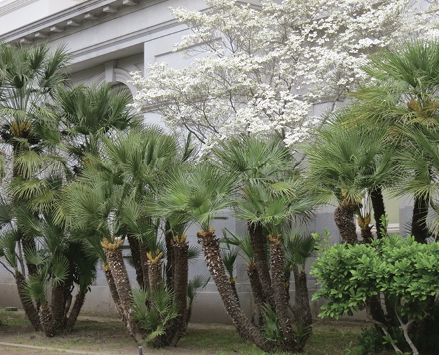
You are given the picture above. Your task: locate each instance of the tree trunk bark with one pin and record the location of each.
(28, 305)
(256, 287)
(47, 321)
(233, 285)
(214, 262)
(113, 291)
(366, 234)
(155, 274)
(344, 220)
(180, 278)
(135, 254)
(58, 304)
(169, 256)
(144, 263)
(76, 309)
(123, 287)
(277, 259)
(419, 220)
(379, 210)
(258, 243)
(305, 310)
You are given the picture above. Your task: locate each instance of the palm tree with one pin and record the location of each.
(115, 196)
(255, 160)
(404, 94)
(87, 114)
(348, 162)
(268, 199)
(29, 78)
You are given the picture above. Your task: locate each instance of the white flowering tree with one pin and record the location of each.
(259, 69)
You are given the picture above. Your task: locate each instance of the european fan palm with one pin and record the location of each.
(274, 206)
(346, 163)
(29, 78)
(405, 92)
(115, 197)
(264, 162)
(87, 114)
(259, 171)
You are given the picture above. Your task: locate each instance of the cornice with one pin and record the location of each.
(76, 13)
(14, 6)
(141, 34)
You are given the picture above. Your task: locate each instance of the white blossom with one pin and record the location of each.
(261, 69)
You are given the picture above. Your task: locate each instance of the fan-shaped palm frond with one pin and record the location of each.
(199, 194)
(194, 286)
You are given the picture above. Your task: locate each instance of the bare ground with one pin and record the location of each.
(99, 335)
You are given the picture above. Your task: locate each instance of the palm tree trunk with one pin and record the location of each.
(214, 262)
(419, 220)
(256, 287)
(180, 277)
(169, 256)
(28, 306)
(258, 243)
(123, 287)
(135, 254)
(144, 263)
(155, 274)
(113, 291)
(366, 234)
(233, 285)
(47, 321)
(77, 306)
(68, 287)
(379, 210)
(58, 304)
(277, 259)
(305, 310)
(344, 220)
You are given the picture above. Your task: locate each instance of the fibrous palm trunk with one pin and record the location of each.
(277, 261)
(366, 234)
(258, 297)
(258, 243)
(304, 316)
(135, 254)
(214, 262)
(113, 291)
(144, 262)
(180, 278)
(123, 287)
(419, 220)
(77, 305)
(155, 274)
(344, 220)
(235, 291)
(47, 321)
(169, 255)
(379, 210)
(58, 303)
(28, 306)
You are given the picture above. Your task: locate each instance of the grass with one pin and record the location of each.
(97, 333)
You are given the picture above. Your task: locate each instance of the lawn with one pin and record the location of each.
(106, 334)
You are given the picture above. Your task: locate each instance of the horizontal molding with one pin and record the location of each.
(74, 12)
(14, 5)
(130, 37)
